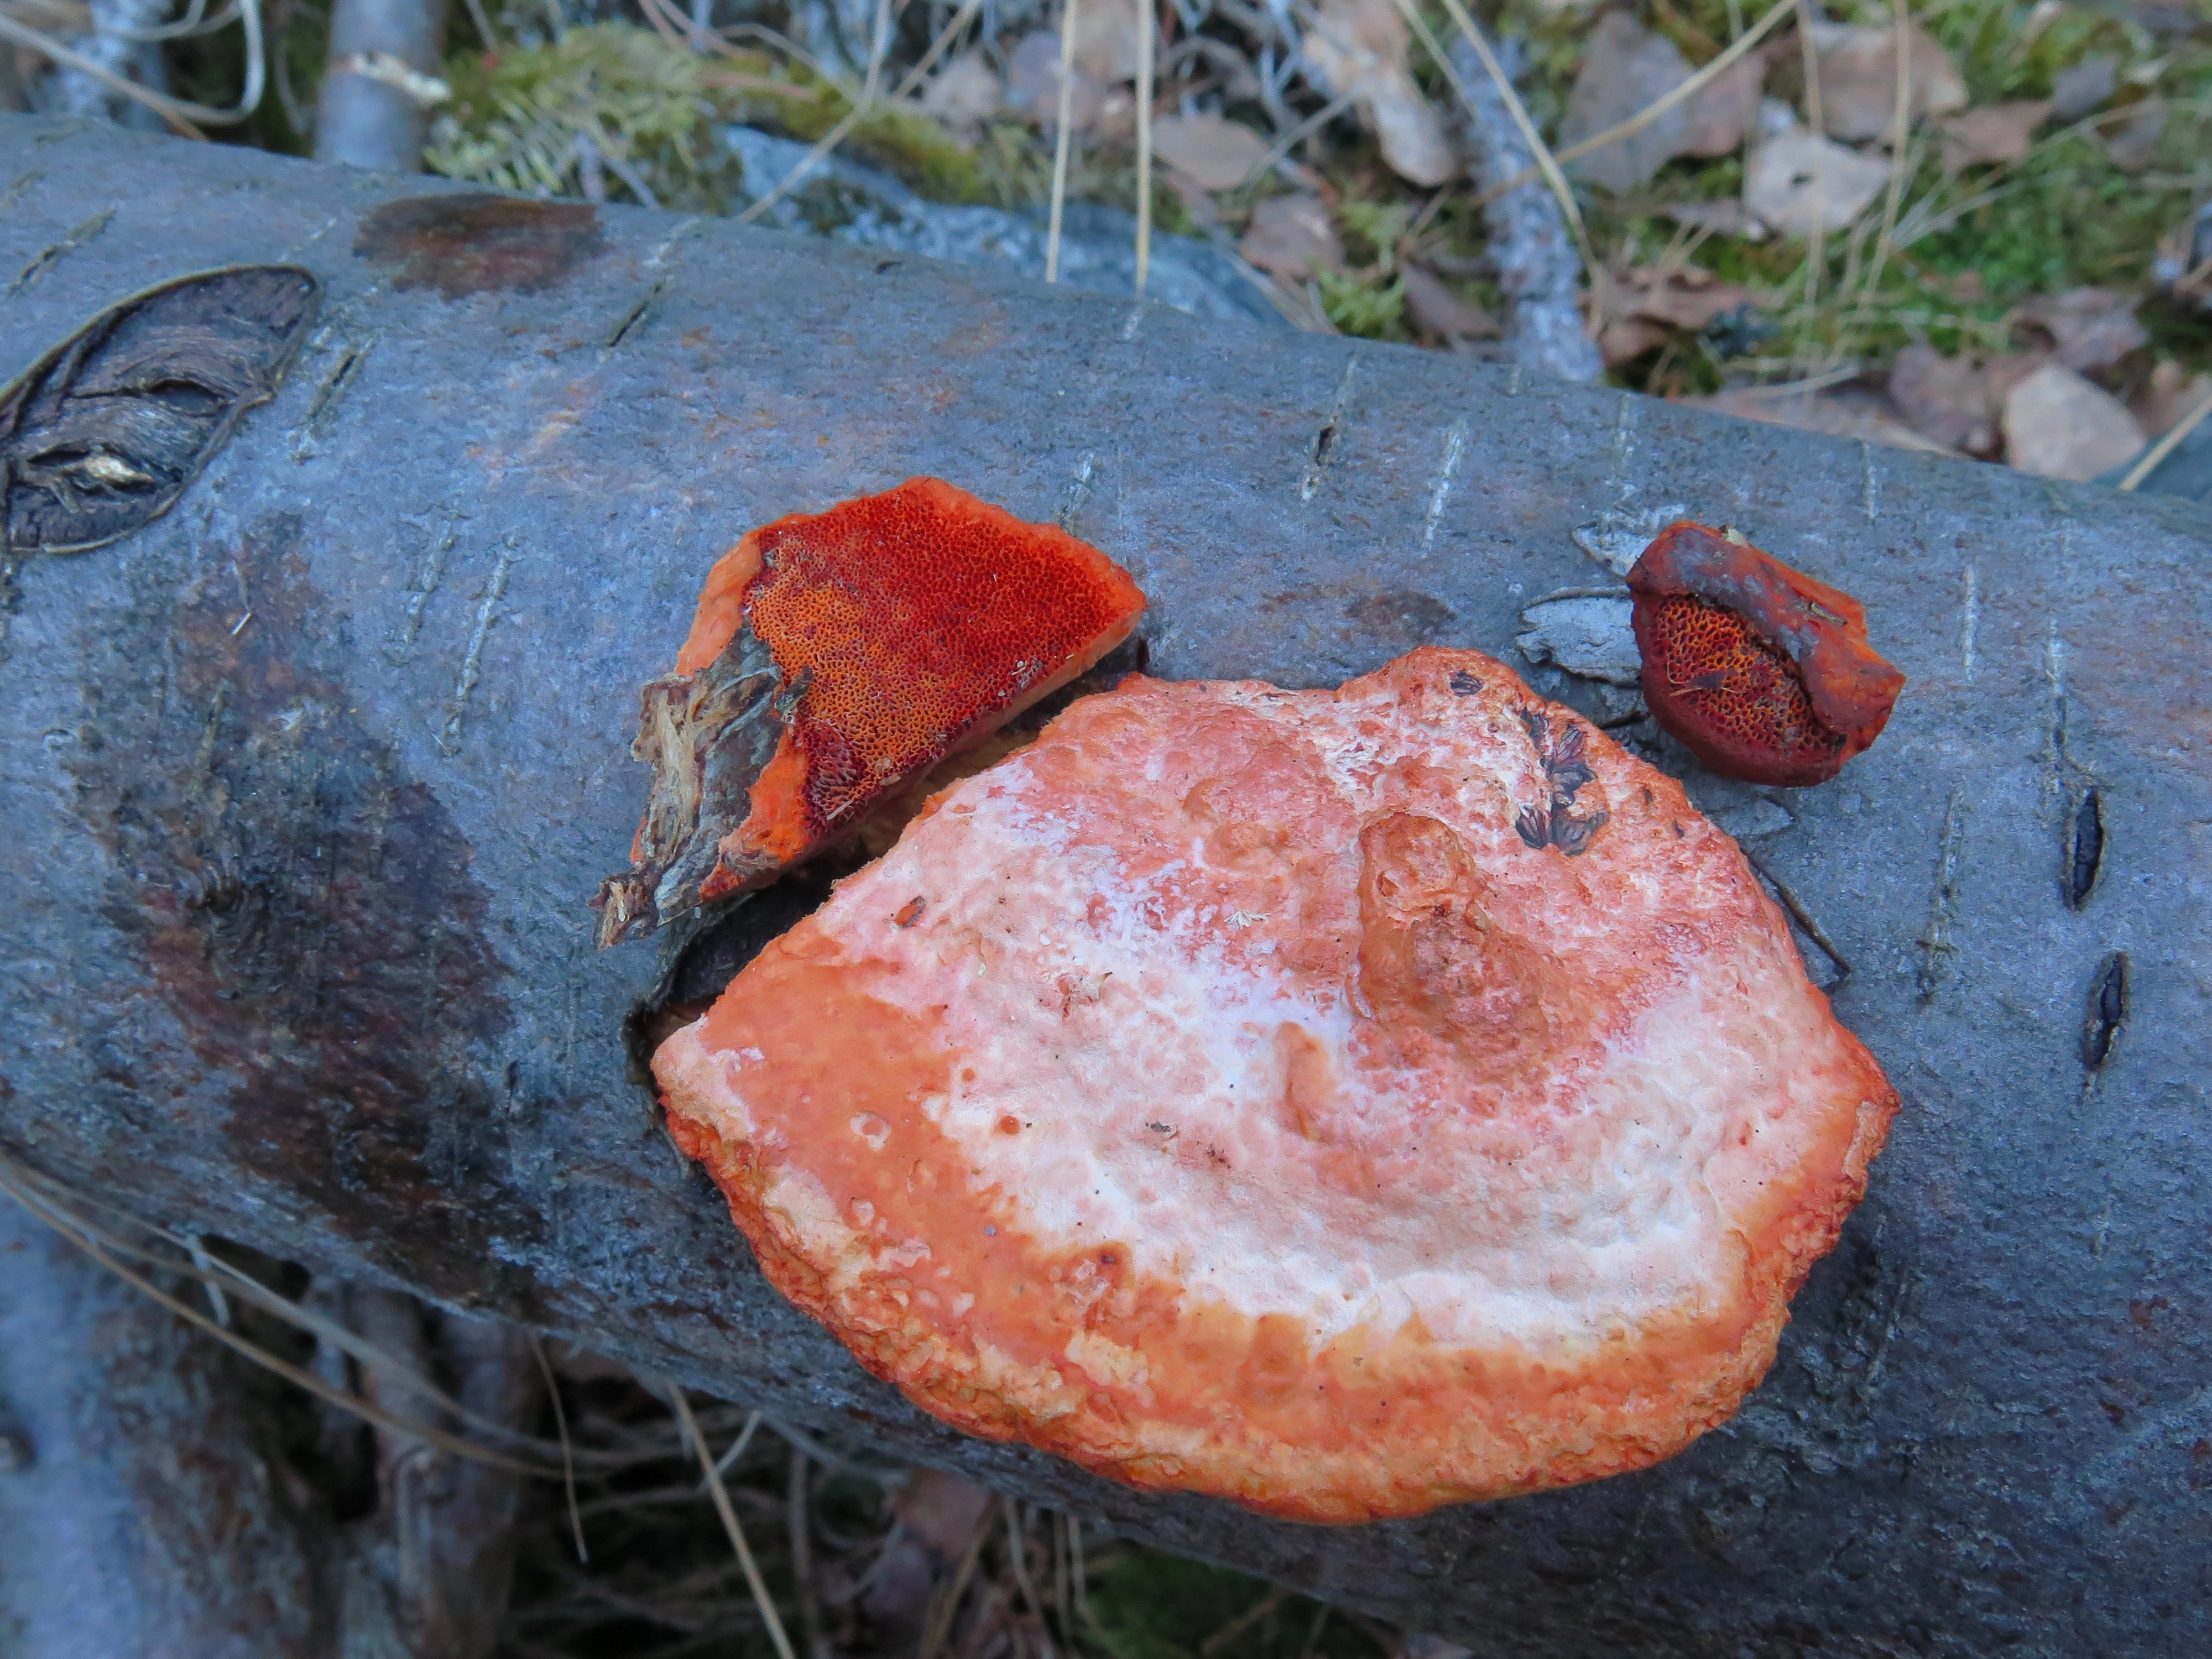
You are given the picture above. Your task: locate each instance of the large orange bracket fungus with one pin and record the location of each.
(1762, 672)
(1342, 1101)
(836, 655)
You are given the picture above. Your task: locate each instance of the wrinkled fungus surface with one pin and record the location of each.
(1762, 672)
(1342, 1101)
(836, 655)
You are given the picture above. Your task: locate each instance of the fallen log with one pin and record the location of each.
(308, 781)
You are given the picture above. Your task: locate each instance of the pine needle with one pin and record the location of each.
(722, 1507)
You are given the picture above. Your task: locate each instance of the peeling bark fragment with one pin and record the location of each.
(1762, 672)
(106, 431)
(835, 658)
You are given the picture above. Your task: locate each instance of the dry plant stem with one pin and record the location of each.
(2165, 445)
(1017, 1550)
(567, 1453)
(1816, 249)
(167, 108)
(1147, 25)
(1063, 141)
(293, 1374)
(946, 1604)
(753, 1581)
(1243, 1621)
(1545, 165)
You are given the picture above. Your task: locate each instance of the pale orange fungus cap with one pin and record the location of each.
(834, 656)
(1344, 1103)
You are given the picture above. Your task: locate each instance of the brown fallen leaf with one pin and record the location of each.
(1684, 296)
(1291, 236)
(1358, 49)
(1626, 68)
(1800, 180)
(2169, 394)
(2090, 328)
(2135, 146)
(963, 94)
(1725, 111)
(1870, 417)
(1857, 67)
(1439, 309)
(2058, 425)
(2078, 90)
(1992, 132)
(1218, 153)
(1033, 85)
(1949, 399)
(1106, 40)
(1626, 338)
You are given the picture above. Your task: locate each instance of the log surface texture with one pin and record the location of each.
(307, 785)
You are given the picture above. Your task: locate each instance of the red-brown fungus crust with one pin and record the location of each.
(1762, 672)
(1231, 1092)
(835, 657)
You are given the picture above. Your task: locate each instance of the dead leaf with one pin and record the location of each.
(1438, 308)
(2169, 393)
(1106, 40)
(1993, 132)
(2058, 425)
(2078, 90)
(1291, 236)
(1357, 48)
(941, 1509)
(1799, 180)
(1684, 296)
(1626, 338)
(1215, 153)
(2090, 328)
(2135, 146)
(963, 94)
(1869, 417)
(1626, 68)
(1858, 66)
(1725, 111)
(1726, 217)
(1033, 85)
(1947, 399)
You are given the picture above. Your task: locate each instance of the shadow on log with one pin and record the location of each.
(308, 784)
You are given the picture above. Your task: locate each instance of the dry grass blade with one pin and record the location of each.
(1243, 1621)
(753, 1420)
(220, 1275)
(1147, 26)
(87, 1238)
(1064, 140)
(44, 44)
(946, 1602)
(2164, 447)
(567, 1453)
(722, 1507)
(1017, 1551)
(1546, 164)
(1688, 89)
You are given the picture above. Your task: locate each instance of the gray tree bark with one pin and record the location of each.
(305, 785)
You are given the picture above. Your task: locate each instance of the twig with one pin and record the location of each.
(753, 1581)
(1148, 24)
(567, 1453)
(836, 135)
(1064, 140)
(2165, 445)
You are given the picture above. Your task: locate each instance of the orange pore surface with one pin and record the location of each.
(921, 617)
(1747, 694)
(1222, 1093)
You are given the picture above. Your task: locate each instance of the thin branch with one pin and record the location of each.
(2165, 445)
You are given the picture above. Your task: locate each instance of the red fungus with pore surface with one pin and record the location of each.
(1762, 672)
(835, 657)
(1233, 1091)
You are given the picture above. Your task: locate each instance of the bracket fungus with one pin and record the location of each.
(1762, 673)
(835, 657)
(1344, 1103)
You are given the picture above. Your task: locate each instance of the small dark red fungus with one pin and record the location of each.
(1763, 673)
(835, 658)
